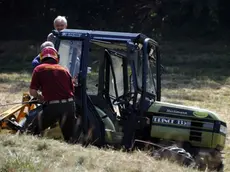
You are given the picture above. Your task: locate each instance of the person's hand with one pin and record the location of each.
(75, 80)
(40, 98)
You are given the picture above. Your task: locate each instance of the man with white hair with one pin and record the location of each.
(36, 60)
(60, 23)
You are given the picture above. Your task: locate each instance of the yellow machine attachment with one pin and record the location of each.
(16, 113)
(19, 112)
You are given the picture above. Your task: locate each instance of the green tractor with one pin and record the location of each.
(119, 99)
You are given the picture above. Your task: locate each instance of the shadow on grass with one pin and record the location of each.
(18, 67)
(16, 56)
(195, 65)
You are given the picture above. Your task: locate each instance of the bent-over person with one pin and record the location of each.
(56, 85)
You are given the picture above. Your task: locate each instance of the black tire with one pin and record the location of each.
(176, 154)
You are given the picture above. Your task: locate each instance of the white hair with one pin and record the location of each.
(46, 44)
(60, 19)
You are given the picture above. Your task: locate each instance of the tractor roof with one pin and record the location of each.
(101, 35)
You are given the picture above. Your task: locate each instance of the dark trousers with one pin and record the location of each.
(64, 113)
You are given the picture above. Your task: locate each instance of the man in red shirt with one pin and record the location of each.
(56, 85)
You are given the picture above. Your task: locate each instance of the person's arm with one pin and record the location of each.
(51, 38)
(36, 95)
(34, 86)
(36, 61)
(75, 81)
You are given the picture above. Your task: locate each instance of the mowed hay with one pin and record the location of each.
(27, 153)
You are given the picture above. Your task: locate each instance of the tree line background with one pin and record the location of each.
(33, 19)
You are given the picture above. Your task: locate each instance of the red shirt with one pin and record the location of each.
(53, 80)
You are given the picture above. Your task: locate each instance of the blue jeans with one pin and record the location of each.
(31, 116)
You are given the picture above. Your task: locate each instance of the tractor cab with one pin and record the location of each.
(118, 73)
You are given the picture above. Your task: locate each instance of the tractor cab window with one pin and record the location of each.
(117, 67)
(138, 66)
(151, 72)
(95, 59)
(70, 55)
(130, 78)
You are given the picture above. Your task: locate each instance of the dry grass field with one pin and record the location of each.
(195, 75)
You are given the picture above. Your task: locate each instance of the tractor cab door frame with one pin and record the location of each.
(111, 75)
(109, 70)
(147, 44)
(90, 117)
(113, 59)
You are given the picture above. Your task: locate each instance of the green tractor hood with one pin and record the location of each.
(181, 110)
(199, 127)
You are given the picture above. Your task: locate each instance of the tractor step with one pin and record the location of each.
(113, 137)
